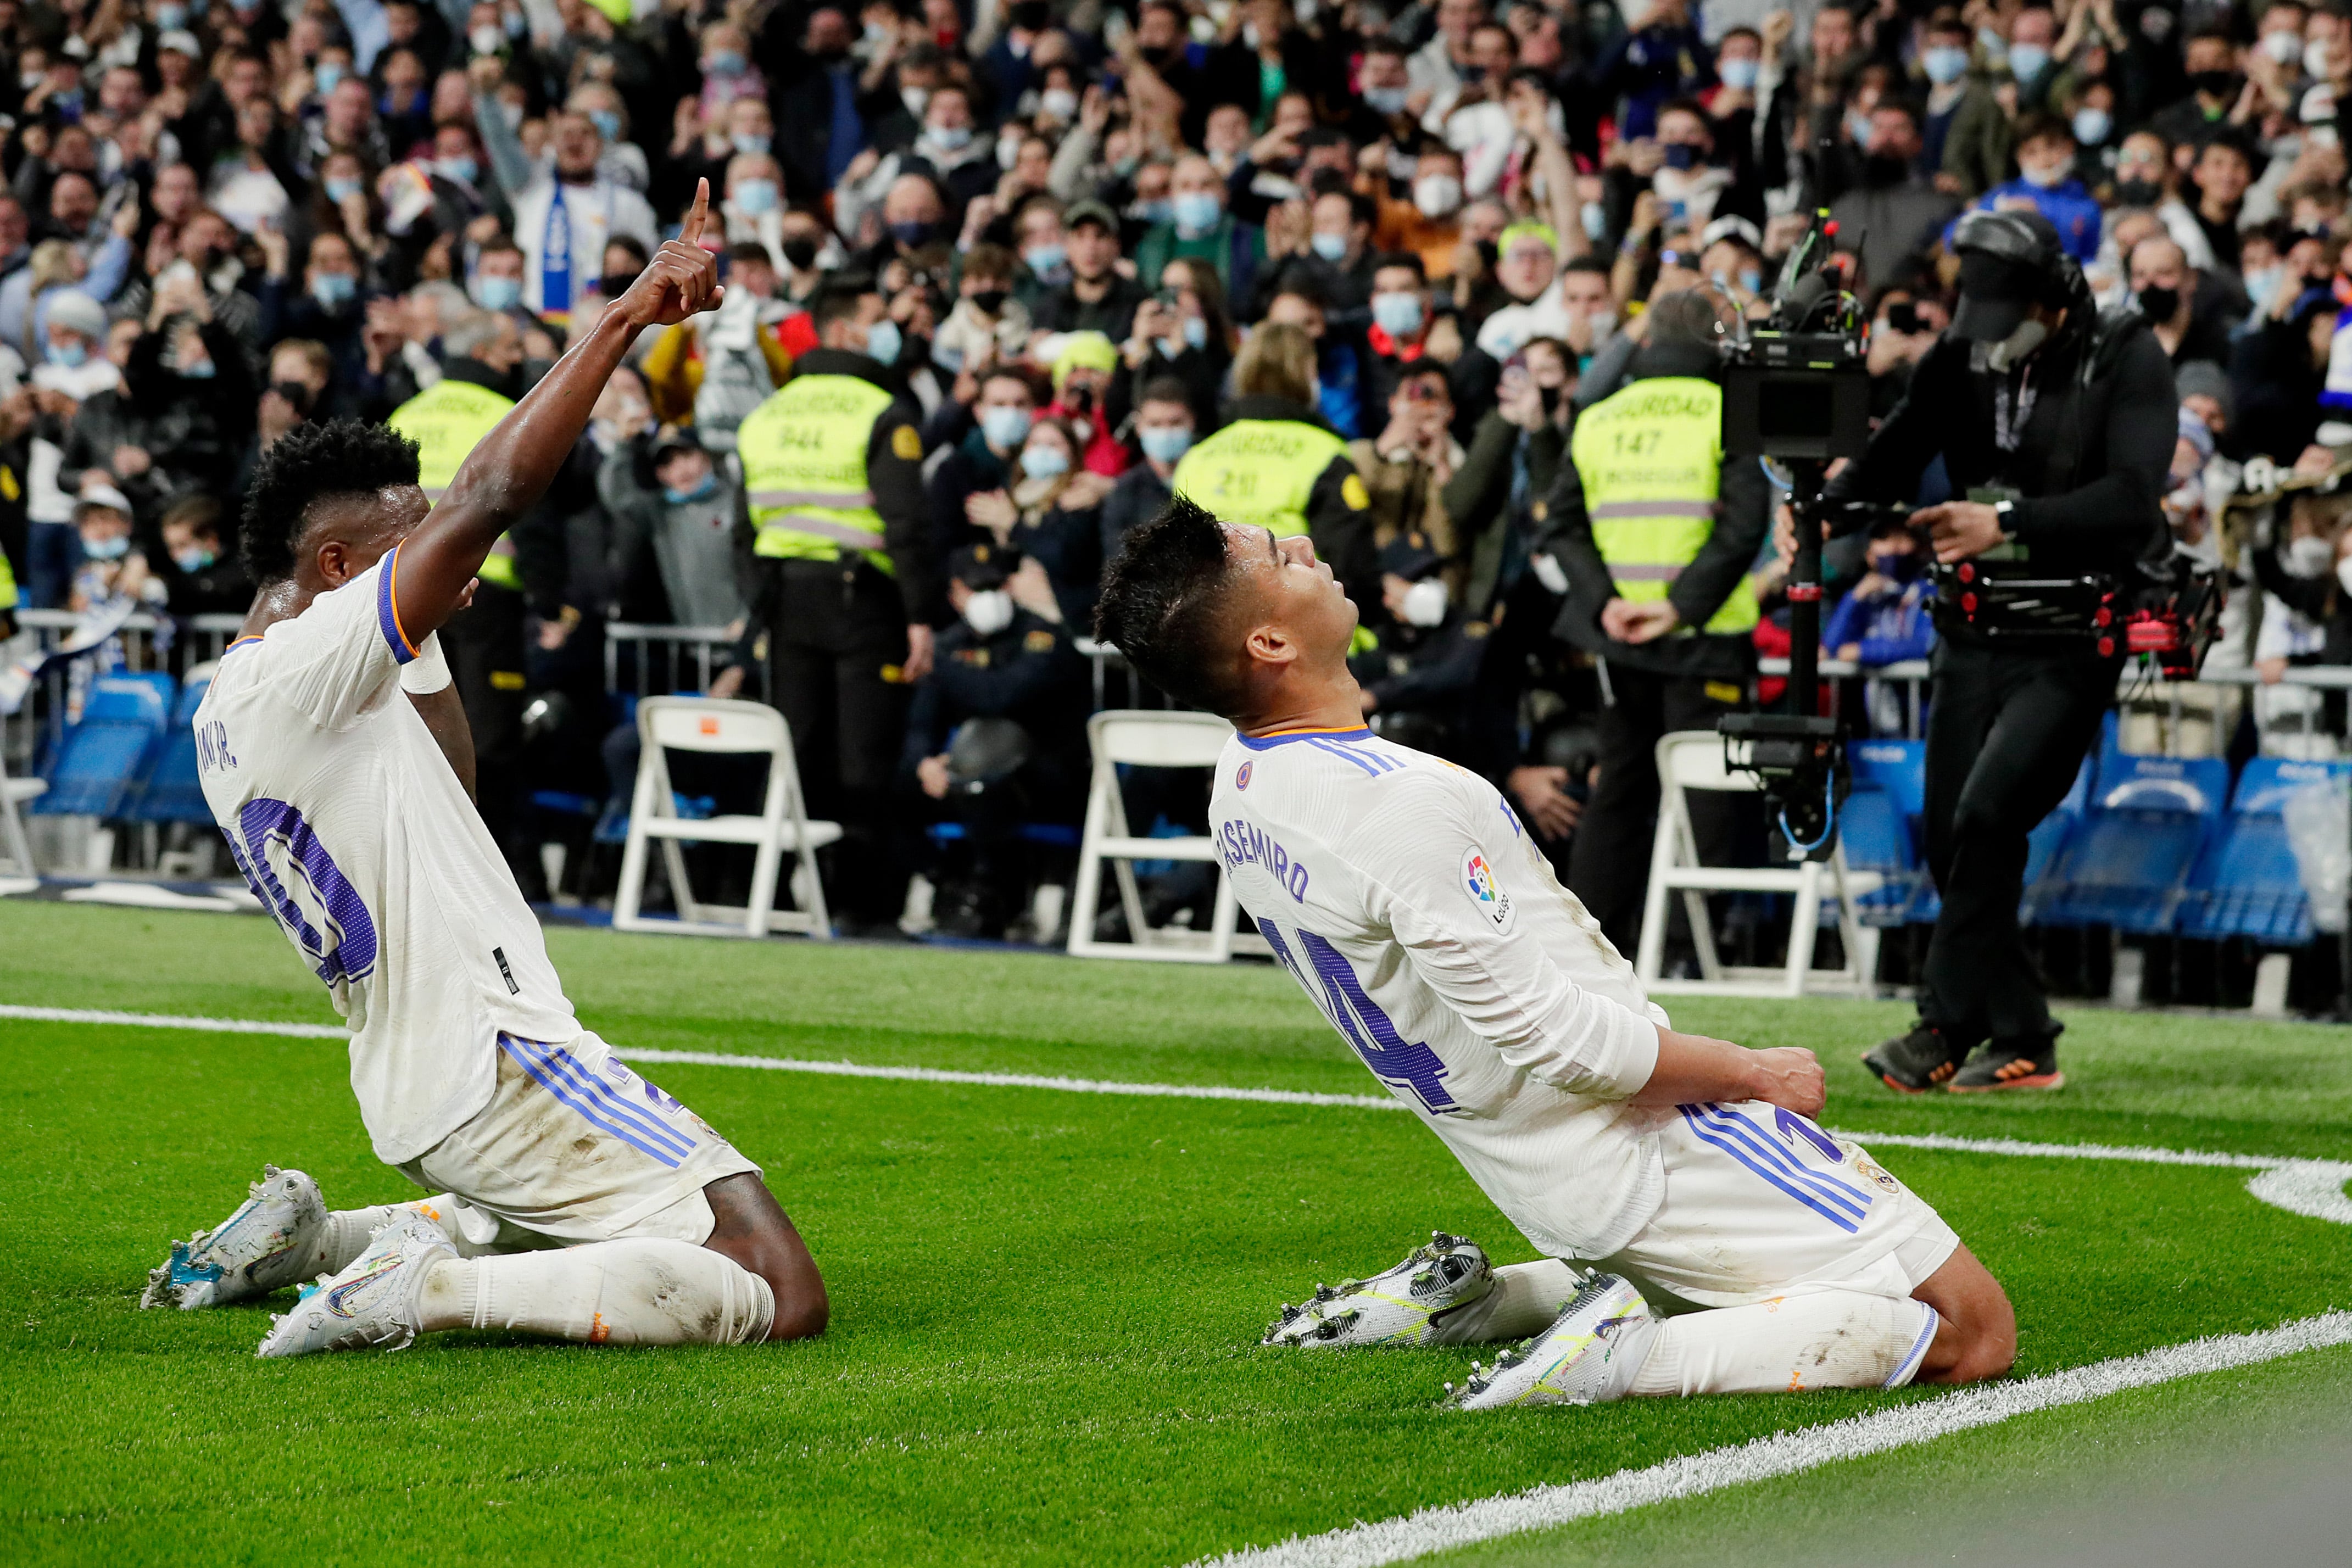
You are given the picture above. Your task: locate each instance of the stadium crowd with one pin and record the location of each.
(1077, 241)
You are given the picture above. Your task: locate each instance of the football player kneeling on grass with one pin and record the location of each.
(1701, 1233)
(575, 1199)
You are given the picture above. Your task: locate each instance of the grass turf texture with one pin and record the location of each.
(1045, 1304)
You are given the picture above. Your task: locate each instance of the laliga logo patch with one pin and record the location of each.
(1485, 891)
(1240, 776)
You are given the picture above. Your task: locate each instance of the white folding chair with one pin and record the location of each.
(782, 827)
(15, 848)
(1693, 759)
(1146, 738)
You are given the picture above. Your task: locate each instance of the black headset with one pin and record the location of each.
(2009, 237)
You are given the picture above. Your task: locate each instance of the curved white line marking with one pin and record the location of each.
(1459, 1525)
(2312, 1187)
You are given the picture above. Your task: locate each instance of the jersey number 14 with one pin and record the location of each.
(1330, 980)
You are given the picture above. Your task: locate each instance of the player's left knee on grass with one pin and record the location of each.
(1978, 1336)
(752, 1229)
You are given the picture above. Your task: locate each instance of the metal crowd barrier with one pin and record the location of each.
(656, 660)
(145, 642)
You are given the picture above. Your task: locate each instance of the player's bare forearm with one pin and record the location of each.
(445, 719)
(1693, 1069)
(512, 469)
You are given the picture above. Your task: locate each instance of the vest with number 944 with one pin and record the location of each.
(803, 453)
(448, 420)
(1651, 461)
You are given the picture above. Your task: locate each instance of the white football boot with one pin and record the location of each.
(1587, 1357)
(263, 1246)
(373, 1304)
(1397, 1307)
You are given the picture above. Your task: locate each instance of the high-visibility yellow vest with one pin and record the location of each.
(1259, 472)
(1651, 461)
(448, 420)
(803, 453)
(7, 583)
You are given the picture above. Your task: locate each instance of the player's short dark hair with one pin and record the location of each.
(1164, 607)
(340, 457)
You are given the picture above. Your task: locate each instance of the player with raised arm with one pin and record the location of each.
(1404, 895)
(576, 1200)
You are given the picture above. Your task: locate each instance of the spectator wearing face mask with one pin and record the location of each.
(567, 193)
(1402, 317)
(1200, 229)
(953, 154)
(995, 738)
(986, 438)
(1164, 431)
(1964, 132)
(2165, 289)
(1894, 215)
(204, 578)
(1659, 57)
(113, 567)
(1883, 619)
(2306, 580)
(1049, 514)
(1429, 223)
(1420, 679)
(674, 510)
(1082, 381)
(1406, 467)
(988, 323)
(2046, 181)
(2210, 62)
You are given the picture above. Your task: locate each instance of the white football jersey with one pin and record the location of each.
(1404, 895)
(352, 830)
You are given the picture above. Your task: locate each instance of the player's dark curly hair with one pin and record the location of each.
(1164, 605)
(339, 457)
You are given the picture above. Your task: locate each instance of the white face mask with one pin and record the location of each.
(989, 612)
(2283, 45)
(2316, 58)
(1437, 195)
(2017, 345)
(1425, 602)
(2308, 557)
(2344, 573)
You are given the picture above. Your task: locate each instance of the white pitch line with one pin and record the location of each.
(1428, 1530)
(2314, 1187)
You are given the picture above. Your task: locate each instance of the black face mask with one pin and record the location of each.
(2160, 304)
(297, 396)
(1883, 169)
(1550, 398)
(2139, 193)
(613, 285)
(989, 300)
(800, 253)
(2215, 84)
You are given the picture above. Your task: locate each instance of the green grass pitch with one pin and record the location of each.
(1045, 1304)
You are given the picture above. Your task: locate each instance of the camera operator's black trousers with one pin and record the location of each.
(1609, 858)
(836, 646)
(2005, 736)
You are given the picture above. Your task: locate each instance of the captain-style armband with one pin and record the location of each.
(429, 671)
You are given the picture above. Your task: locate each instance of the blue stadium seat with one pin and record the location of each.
(2246, 882)
(171, 790)
(2127, 864)
(105, 754)
(1879, 826)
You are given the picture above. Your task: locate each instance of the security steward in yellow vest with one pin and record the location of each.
(485, 642)
(843, 583)
(1656, 533)
(1276, 465)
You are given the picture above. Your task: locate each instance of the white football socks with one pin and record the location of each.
(348, 1231)
(1524, 1299)
(1823, 1338)
(642, 1292)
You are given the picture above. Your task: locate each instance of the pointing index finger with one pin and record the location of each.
(692, 233)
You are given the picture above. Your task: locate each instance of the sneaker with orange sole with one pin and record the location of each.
(2027, 1063)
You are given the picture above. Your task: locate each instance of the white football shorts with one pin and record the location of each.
(1760, 1202)
(575, 1146)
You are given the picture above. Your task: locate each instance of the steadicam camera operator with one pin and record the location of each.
(2056, 422)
